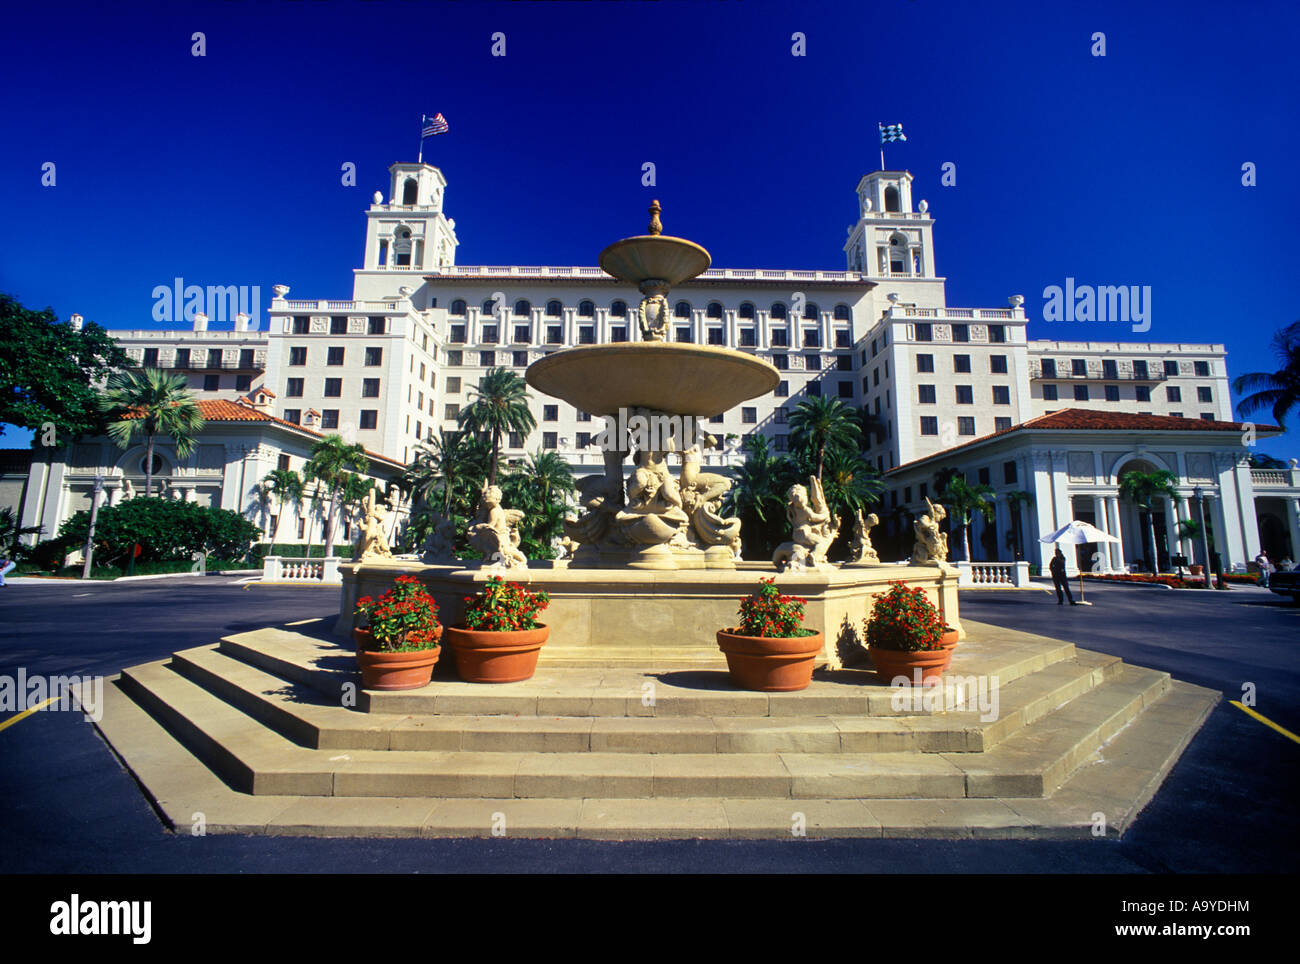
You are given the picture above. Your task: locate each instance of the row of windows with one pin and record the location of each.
(329, 418)
(212, 383)
(619, 309)
(965, 395)
(301, 325)
(965, 424)
(714, 335)
(190, 358)
(334, 355)
(333, 388)
(1142, 393)
(961, 363)
(1110, 368)
(961, 333)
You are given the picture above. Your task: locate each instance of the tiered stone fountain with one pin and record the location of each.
(656, 568)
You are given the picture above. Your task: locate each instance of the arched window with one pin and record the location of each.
(891, 199)
(682, 309)
(554, 309)
(778, 310)
(810, 310)
(586, 309)
(158, 465)
(842, 313)
(402, 246)
(746, 310)
(458, 306)
(489, 308)
(618, 309)
(409, 191)
(898, 254)
(714, 310)
(523, 308)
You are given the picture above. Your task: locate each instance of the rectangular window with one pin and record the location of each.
(965, 395)
(333, 388)
(1140, 370)
(925, 363)
(211, 383)
(550, 413)
(1175, 414)
(782, 415)
(520, 358)
(998, 334)
(376, 325)
(1078, 366)
(298, 355)
(747, 338)
(451, 411)
(842, 338)
(214, 357)
(846, 390)
(419, 430)
(1049, 393)
(749, 415)
(553, 334)
(1207, 416)
(301, 325)
(586, 335)
(1202, 369)
(844, 363)
(1171, 368)
(1001, 423)
(516, 440)
(961, 332)
(781, 362)
(456, 358)
(457, 335)
(1204, 394)
(243, 383)
(369, 418)
(1001, 395)
(334, 356)
(925, 394)
(875, 377)
(151, 358)
(338, 325)
(781, 443)
(329, 418)
(1049, 367)
(421, 371)
(814, 389)
(812, 363)
(1142, 393)
(293, 415)
(780, 338)
(683, 334)
(374, 356)
(618, 333)
(182, 358)
(550, 440)
(812, 338)
(715, 420)
(1109, 368)
(961, 363)
(965, 425)
(487, 358)
(782, 389)
(453, 384)
(1080, 393)
(1009, 475)
(924, 332)
(523, 334)
(370, 388)
(584, 439)
(1173, 393)
(929, 425)
(715, 336)
(1112, 393)
(998, 364)
(491, 334)
(983, 476)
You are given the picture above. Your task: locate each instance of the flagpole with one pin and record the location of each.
(882, 158)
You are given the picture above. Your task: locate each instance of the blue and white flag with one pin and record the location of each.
(891, 132)
(437, 124)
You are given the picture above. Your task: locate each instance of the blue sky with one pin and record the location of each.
(225, 169)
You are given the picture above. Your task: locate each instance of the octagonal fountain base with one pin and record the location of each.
(611, 617)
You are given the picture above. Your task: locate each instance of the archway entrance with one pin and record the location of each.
(1139, 527)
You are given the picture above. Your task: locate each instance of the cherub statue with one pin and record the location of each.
(653, 314)
(440, 546)
(494, 535)
(931, 546)
(813, 528)
(860, 549)
(372, 543)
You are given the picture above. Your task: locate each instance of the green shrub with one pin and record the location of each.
(165, 530)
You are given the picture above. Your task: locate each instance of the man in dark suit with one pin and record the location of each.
(1057, 568)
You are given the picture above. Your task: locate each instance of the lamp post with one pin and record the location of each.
(1199, 494)
(90, 533)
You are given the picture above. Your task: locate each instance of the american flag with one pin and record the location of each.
(437, 124)
(891, 132)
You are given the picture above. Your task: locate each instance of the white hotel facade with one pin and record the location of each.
(957, 388)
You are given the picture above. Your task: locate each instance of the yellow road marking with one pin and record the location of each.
(28, 712)
(1246, 709)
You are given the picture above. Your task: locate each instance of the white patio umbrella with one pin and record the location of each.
(1078, 533)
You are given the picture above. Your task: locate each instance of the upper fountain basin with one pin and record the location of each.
(670, 377)
(654, 257)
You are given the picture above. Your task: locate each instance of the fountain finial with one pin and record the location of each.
(655, 226)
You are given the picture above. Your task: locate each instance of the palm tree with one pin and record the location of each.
(1015, 499)
(1144, 489)
(819, 424)
(550, 474)
(1277, 391)
(286, 486)
(444, 468)
(11, 531)
(352, 495)
(965, 501)
(758, 495)
(151, 402)
(498, 405)
(332, 460)
(851, 483)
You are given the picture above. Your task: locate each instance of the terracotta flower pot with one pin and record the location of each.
(949, 639)
(394, 671)
(1196, 570)
(892, 663)
(483, 656)
(768, 664)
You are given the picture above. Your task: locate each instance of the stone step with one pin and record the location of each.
(1116, 782)
(303, 715)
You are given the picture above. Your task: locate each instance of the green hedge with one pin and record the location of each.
(165, 529)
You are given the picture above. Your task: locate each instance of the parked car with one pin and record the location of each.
(1285, 583)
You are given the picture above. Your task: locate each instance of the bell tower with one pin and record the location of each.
(410, 231)
(892, 239)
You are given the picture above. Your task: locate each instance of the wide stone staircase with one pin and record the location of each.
(268, 732)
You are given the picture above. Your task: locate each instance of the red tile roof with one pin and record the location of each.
(1094, 420)
(222, 410)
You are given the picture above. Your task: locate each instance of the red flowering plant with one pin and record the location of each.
(905, 620)
(504, 607)
(402, 620)
(769, 613)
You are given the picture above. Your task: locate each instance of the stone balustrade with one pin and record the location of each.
(319, 571)
(1010, 574)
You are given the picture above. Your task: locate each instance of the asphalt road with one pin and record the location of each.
(68, 806)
